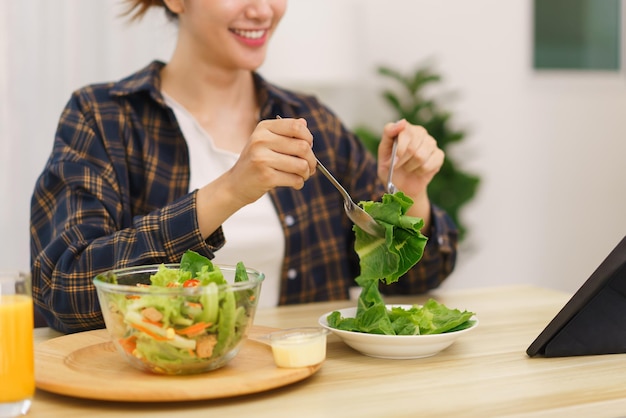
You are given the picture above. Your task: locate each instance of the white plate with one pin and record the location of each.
(394, 346)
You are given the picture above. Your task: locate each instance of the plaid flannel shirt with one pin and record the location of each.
(114, 193)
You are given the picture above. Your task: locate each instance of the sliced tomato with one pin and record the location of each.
(191, 283)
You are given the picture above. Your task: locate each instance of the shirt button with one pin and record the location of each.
(290, 220)
(292, 274)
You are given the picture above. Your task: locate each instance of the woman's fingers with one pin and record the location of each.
(278, 154)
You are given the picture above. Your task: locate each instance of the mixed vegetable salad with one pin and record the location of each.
(386, 260)
(203, 321)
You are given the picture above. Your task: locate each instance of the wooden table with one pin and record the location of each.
(485, 374)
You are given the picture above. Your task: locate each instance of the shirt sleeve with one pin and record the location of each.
(85, 220)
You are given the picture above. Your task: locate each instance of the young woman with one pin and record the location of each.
(191, 155)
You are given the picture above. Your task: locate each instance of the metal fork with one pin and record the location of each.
(356, 213)
(391, 188)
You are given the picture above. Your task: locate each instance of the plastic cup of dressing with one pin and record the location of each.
(299, 347)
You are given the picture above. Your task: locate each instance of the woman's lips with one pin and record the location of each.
(254, 37)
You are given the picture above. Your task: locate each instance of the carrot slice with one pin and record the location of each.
(129, 344)
(156, 323)
(193, 329)
(149, 332)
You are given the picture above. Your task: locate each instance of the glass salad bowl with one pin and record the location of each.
(165, 320)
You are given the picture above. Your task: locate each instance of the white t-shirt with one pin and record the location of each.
(253, 234)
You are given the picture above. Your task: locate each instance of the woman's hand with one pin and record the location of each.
(418, 159)
(278, 153)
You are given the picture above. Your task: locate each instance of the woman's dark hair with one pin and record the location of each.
(138, 8)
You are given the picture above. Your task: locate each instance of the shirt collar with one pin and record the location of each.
(148, 79)
(274, 100)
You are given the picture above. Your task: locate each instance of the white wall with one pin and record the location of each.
(549, 146)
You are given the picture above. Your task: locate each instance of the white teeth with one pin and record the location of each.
(250, 34)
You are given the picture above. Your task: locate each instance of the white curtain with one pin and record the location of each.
(47, 50)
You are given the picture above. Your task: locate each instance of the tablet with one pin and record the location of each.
(593, 321)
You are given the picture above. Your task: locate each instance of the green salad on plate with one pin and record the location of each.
(386, 260)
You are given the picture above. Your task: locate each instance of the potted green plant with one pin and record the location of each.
(452, 188)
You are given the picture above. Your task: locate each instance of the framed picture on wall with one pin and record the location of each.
(577, 35)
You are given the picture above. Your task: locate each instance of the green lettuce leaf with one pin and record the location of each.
(444, 319)
(241, 274)
(431, 318)
(403, 246)
(371, 312)
(165, 275)
(193, 262)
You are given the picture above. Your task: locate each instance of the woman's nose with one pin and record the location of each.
(259, 10)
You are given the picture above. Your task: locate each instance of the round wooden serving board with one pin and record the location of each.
(87, 365)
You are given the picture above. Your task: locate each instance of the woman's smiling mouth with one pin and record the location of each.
(251, 37)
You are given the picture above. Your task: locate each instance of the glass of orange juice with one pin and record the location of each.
(17, 368)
